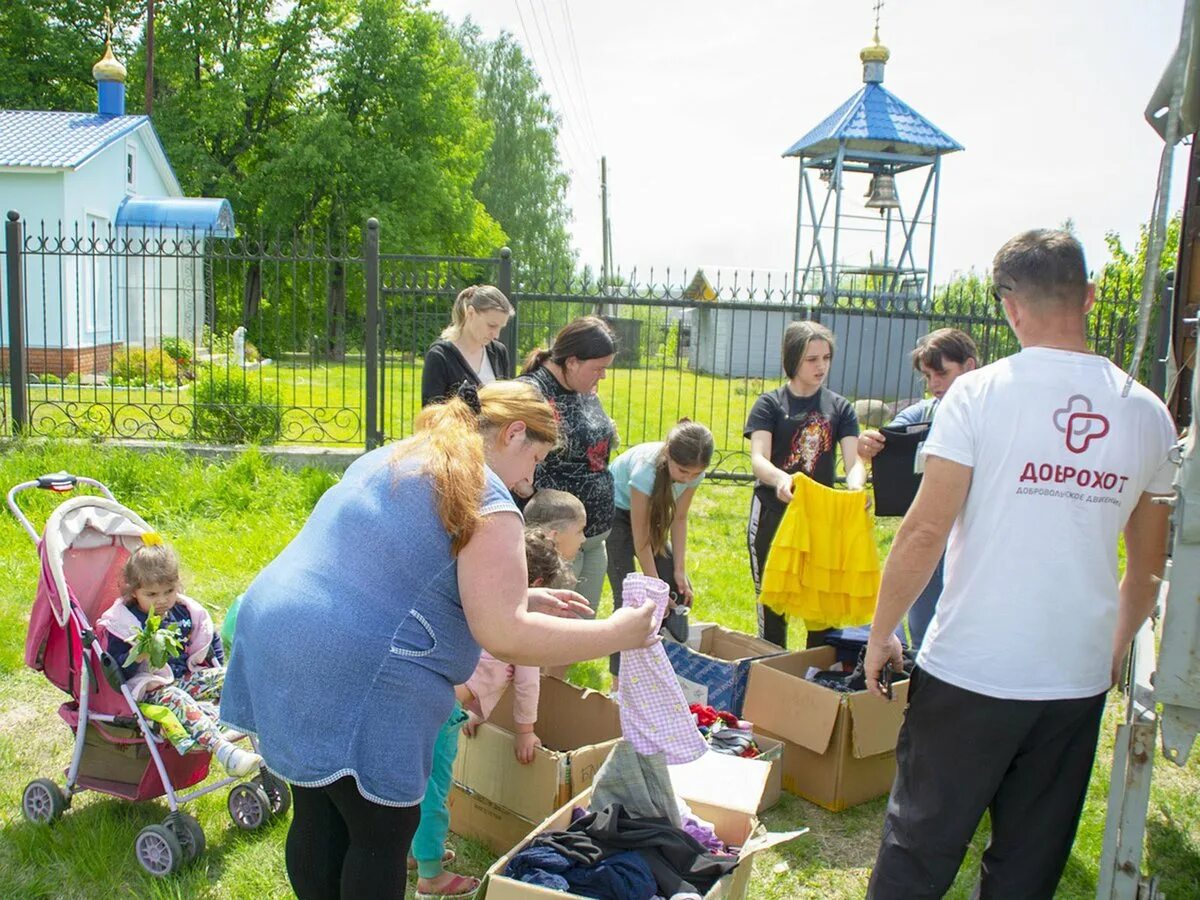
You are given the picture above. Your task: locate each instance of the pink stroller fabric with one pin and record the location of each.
(654, 713)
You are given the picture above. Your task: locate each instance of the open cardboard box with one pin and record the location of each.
(770, 750)
(839, 749)
(715, 672)
(578, 728)
(723, 790)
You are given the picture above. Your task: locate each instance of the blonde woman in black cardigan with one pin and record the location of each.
(469, 349)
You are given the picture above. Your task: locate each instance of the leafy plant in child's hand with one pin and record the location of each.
(157, 643)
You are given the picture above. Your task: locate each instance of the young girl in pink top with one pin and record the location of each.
(492, 676)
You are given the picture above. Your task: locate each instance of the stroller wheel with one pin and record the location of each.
(249, 805)
(43, 801)
(188, 832)
(158, 850)
(277, 792)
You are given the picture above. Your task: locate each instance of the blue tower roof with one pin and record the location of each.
(875, 119)
(210, 216)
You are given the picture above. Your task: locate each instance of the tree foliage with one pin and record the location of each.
(522, 182)
(311, 115)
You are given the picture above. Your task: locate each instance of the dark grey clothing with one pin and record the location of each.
(961, 753)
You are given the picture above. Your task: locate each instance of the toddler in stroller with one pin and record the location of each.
(189, 684)
(126, 744)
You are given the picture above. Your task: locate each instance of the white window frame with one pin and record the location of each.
(131, 166)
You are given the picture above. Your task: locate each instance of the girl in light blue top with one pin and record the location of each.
(653, 487)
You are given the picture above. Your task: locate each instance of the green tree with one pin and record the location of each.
(522, 182)
(232, 80)
(1127, 267)
(397, 134)
(48, 47)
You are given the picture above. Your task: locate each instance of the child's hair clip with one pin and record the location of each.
(152, 539)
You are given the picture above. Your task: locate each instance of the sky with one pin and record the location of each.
(694, 103)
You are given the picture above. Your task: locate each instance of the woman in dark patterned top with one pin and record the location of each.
(797, 427)
(567, 374)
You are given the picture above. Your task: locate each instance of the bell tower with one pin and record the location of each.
(875, 250)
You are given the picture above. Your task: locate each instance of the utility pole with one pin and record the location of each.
(149, 56)
(605, 238)
(605, 271)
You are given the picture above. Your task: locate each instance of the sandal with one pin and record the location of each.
(447, 858)
(459, 886)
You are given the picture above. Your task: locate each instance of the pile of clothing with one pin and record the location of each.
(848, 679)
(636, 841)
(725, 732)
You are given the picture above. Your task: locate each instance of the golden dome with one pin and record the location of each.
(109, 68)
(875, 52)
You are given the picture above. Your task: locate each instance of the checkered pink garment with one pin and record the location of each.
(654, 715)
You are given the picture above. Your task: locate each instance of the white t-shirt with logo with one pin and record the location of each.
(1059, 460)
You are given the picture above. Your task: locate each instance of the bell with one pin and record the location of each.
(827, 177)
(881, 194)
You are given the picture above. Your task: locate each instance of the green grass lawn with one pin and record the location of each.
(227, 520)
(324, 404)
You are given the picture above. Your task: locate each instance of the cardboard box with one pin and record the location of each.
(770, 751)
(577, 727)
(716, 673)
(839, 749)
(737, 826)
(474, 817)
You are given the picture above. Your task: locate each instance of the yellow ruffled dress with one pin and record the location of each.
(823, 565)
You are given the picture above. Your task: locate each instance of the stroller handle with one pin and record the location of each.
(59, 482)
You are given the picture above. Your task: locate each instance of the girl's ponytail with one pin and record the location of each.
(689, 444)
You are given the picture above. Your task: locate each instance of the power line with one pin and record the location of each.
(587, 106)
(550, 75)
(566, 73)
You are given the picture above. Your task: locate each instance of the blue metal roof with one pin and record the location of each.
(212, 216)
(58, 140)
(875, 119)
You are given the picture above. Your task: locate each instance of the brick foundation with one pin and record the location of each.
(63, 361)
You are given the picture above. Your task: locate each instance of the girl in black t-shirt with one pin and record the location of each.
(796, 428)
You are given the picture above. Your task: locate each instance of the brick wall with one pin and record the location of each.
(62, 361)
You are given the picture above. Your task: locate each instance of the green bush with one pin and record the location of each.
(218, 343)
(50, 378)
(179, 350)
(137, 367)
(234, 407)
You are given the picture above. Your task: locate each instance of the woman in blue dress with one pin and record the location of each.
(351, 641)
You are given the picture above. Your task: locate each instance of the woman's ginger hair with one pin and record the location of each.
(689, 444)
(151, 564)
(450, 439)
(479, 297)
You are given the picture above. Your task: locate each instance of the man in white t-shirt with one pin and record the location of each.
(1036, 467)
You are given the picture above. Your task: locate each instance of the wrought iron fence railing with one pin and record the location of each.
(184, 336)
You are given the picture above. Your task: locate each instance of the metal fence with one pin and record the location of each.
(181, 336)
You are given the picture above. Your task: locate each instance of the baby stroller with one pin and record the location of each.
(118, 751)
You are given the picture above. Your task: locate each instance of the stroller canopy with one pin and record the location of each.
(77, 526)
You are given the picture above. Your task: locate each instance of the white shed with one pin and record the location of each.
(113, 251)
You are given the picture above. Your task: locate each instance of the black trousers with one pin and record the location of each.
(342, 845)
(960, 753)
(765, 516)
(622, 561)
